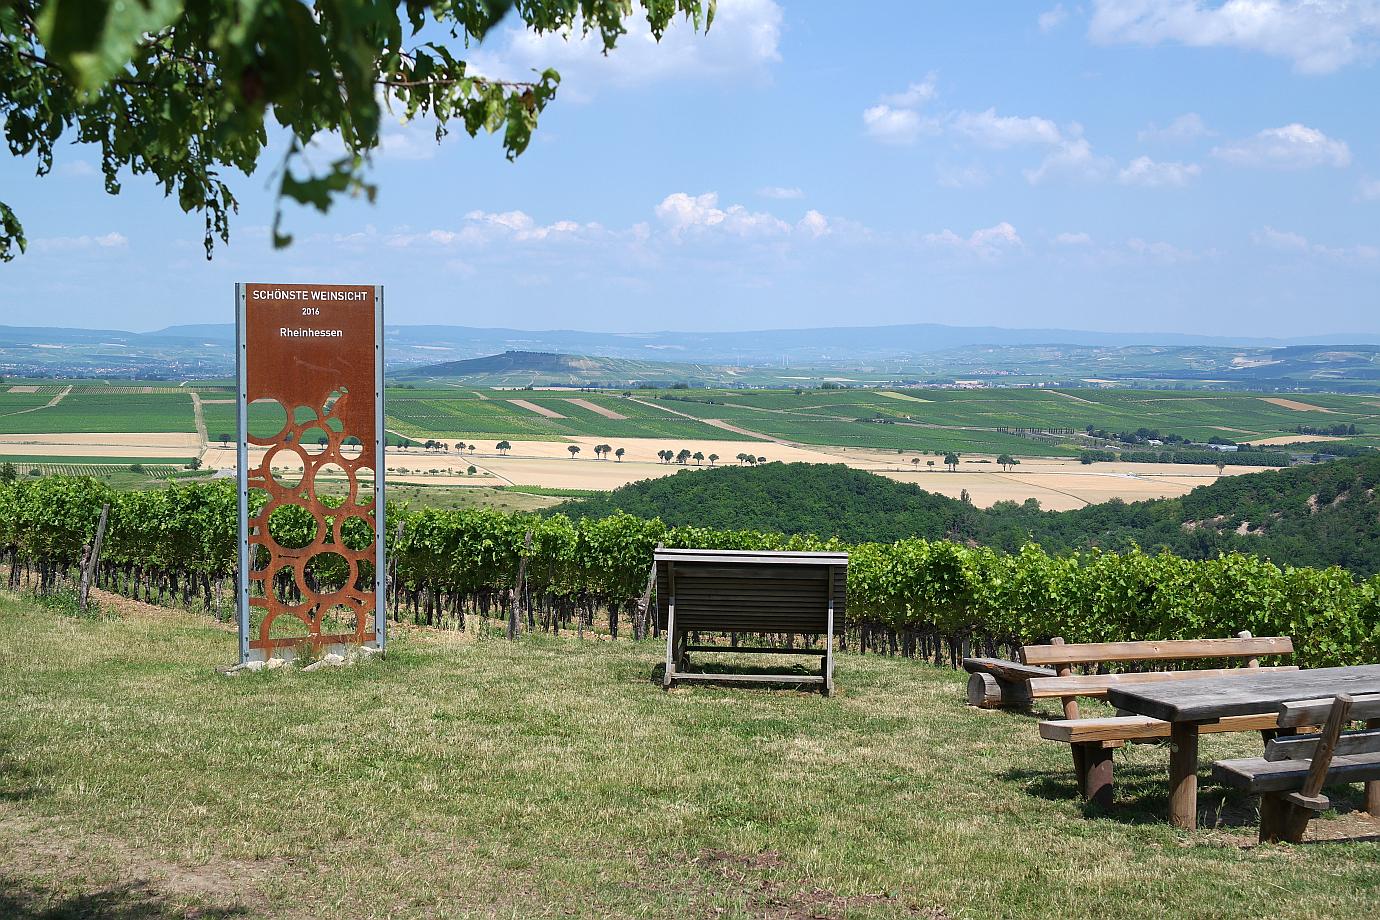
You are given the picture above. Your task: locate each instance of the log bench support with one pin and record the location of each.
(1046, 672)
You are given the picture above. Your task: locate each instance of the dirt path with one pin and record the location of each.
(593, 407)
(1296, 405)
(720, 423)
(199, 418)
(62, 394)
(1077, 399)
(1027, 482)
(533, 407)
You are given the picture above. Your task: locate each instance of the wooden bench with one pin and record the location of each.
(1046, 672)
(1290, 776)
(748, 592)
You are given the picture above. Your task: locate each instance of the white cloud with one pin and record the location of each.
(971, 176)
(1145, 171)
(780, 192)
(1369, 189)
(110, 240)
(1001, 131)
(1186, 127)
(1073, 160)
(915, 95)
(1293, 146)
(407, 143)
(896, 119)
(1280, 239)
(1051, 19)
(1073, 239)
(75, 169)
(1167, 253)
(896, 126)
(813, 224)
(1318, 36)
(683, 214)
(481, 228)
(1288, 241)
(743, 41)
(987, 243)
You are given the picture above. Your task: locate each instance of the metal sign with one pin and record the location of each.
(310, 363)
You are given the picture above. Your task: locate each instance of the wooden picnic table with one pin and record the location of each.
(1189, 703)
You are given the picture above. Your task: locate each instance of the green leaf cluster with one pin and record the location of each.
(188, 91)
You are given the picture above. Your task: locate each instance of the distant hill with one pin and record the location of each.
(1323, 514)
(915, 352)
(510, 362)
(536, 368)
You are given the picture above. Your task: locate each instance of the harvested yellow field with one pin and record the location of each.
(533, 407)
(1295, 405)
(905, 396)
(1295, 439)
(22, 389)
(151, 446)
(1061, 489)
(1059, 484)
(598, 409)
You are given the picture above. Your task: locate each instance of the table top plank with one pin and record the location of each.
(1209, 699)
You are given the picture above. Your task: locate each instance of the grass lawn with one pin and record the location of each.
(451, 497)
(553, 778)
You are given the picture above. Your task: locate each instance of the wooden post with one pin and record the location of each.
(1097, 788)
(393, 568)
(1372, 803)
(1183, 775)
(1080, 767)
(644, 603)
(671, 650)
(829, 640)
(513, 618)
(93, 555)
(1250, 662)
(1066, 670)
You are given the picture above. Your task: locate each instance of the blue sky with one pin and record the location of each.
(1132, 165)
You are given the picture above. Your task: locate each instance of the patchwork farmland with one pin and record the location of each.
(894, 432)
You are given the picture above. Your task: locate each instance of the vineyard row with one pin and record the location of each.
(919, 597)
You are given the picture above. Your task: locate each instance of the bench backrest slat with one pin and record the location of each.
(1163, 650)
(1314, 712)
(763, 592)
(1097, 685)
(1302, 747)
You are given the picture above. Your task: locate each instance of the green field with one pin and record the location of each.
(81, 412)
(968, 421)
(554, 778)
(464, 414)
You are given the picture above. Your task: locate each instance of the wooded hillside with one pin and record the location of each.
(1322, 514)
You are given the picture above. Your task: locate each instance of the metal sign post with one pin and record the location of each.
(311, 354)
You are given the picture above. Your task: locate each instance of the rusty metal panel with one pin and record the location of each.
(316, 351)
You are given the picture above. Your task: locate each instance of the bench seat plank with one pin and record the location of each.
(1006, 670)
(1256, 774)
(1158, 650)
(1130, 728)
(1314, 712)
(1302, 747)
(1097, 685)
